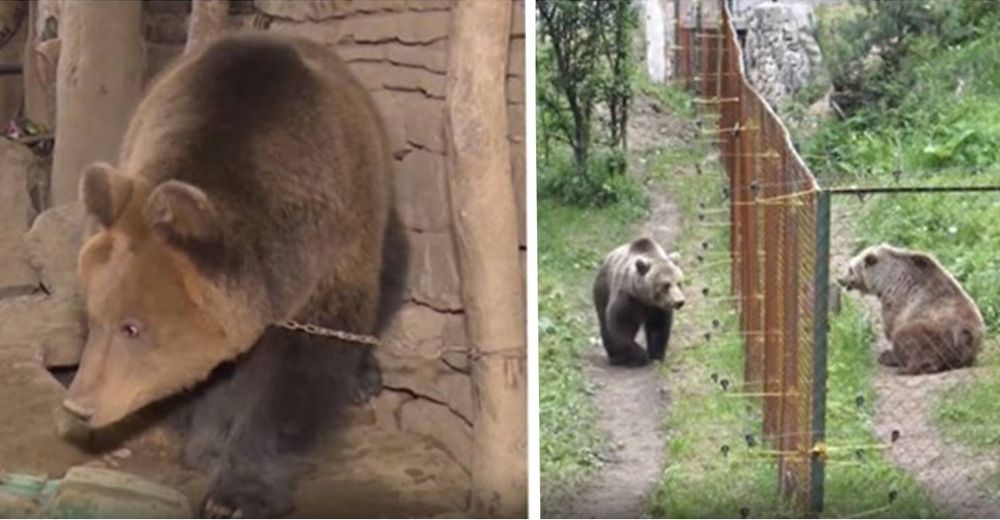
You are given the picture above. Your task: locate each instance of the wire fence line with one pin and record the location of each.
(773, 219)
(780, 247)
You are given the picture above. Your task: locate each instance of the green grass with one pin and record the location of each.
(712, 470)
(859, 479)
(969, 411)
(937, 125)
(572, 242)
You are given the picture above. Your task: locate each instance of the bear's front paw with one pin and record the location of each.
(888, 358)
(636, 357)
(247, 502)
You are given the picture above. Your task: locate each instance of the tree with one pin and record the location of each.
(98, 84)
(571, 30)
(209, 19)
(485, 217)
(586, 62)
(620, 18)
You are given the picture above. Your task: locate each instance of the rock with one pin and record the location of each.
(781, 52)
(433, 420)
(413, 358)
(52, 329)
(18, 169)
(90, 492)
(434, 278)
(52, 244)
(421, 191)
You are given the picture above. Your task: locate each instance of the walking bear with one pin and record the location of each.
(254, 186)
(638, 285)
(930, 321)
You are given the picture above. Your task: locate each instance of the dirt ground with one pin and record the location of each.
(952, 475)
(631, 401)
(369, 472)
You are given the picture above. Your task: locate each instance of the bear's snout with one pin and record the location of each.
(678, 304)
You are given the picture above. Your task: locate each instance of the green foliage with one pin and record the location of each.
(600, 187)
(969, 411)
(930, 116)
(866, 45)
(572, 242)
(959, 228)
(585, 65)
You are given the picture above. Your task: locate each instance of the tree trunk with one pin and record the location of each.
(98, 85)
(209, 19)
(485, 218)
(39, 98)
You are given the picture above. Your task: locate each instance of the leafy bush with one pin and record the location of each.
(600, 187)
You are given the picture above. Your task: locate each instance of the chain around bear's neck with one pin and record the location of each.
(316, 330)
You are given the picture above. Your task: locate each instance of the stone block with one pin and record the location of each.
(91, 492)
(52, 329)
(53, 244)
(434, 278)
(433, 420)
(421, 192)
(19, 169)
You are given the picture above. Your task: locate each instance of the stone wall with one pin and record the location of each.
(781, 52)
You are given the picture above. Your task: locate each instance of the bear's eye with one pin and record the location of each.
(130, 329)
(666, 286)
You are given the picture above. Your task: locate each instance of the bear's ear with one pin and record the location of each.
(921, 261)
(181, 214)
(642, 266)
(870, 260)
(104, 192)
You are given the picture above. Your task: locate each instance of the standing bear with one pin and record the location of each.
(638, 285)
(930, 321)
(253, 188)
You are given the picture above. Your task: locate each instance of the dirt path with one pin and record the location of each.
(630, 401)
(953, 476)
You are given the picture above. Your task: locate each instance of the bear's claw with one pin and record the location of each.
(214, 509)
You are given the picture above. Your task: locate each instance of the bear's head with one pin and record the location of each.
(660, 281)
(160, 318)
(878, 267)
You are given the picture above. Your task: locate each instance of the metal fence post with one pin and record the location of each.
(821, 285)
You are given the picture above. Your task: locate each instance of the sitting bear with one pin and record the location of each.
(254, 187)
(637, 285)
(930, 321)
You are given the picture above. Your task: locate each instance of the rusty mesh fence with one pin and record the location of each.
(773, 219)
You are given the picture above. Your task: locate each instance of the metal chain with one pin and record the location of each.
(316, 330)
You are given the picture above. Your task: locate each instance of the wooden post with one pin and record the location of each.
(485, 219)
(209, 19)
(98, 84)
(39, 100)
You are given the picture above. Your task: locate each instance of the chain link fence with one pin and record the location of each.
(773, 217)
(880, 444)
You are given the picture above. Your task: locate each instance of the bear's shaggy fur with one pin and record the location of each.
(638, 285)
(254, 186)
(930, 321)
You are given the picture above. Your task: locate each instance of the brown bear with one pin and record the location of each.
(254, 186)
(638, 285)
(930, 321)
